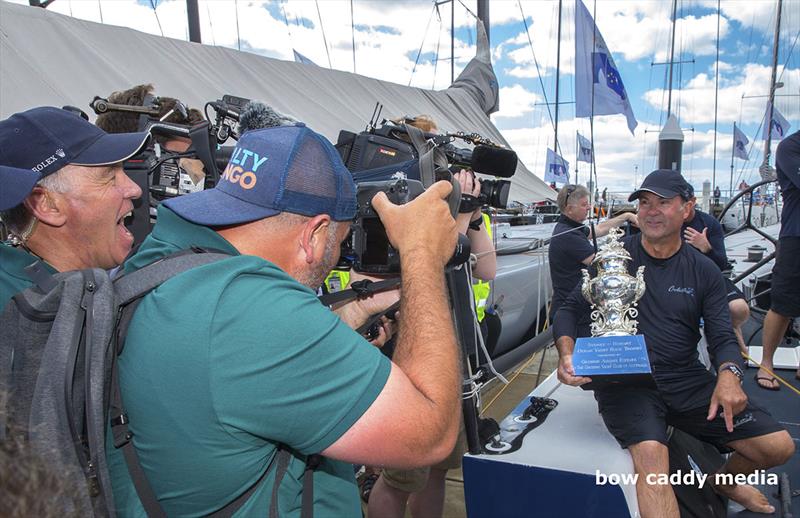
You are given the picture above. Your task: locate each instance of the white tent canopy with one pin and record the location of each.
(51, 59)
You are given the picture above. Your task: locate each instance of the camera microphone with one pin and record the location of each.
(257, 115)
(494, 161)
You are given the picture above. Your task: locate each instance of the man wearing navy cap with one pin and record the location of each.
(682, 286)
(785, 293)
(227, 362)
(67, 196)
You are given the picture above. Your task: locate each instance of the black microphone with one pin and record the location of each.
(494, 161)
(257, 115)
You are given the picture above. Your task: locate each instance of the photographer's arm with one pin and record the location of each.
(480, 242)
(415, 419)
(602, 228)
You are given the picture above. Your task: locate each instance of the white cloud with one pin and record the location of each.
(694, 102)
(516, 102)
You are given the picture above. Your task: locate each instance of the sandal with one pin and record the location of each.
(366, 484)
(770, 379)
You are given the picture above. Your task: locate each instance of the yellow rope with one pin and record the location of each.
(516, 374)
(781, 380)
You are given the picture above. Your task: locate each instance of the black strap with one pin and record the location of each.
(312, 463)
(40, 276)
(359, 289)
(283, 457)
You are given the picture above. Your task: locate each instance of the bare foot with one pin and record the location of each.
(751, 498)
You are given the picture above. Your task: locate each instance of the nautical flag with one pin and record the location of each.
(780, 126)
(595, 67)
(299, 58)
(584, 149)
(557, 168)
(740, 142)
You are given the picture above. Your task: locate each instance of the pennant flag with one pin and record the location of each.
(780, 126)
(299, 58)
(596, 74)
(584, 149)
(557, 168)
(740, 142)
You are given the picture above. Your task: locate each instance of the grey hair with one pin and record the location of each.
(570, 194)
(19, 220)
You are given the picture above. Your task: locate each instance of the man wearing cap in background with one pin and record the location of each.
(682, 286)
(68, 205)
(703, 231)
(785, 293)
(227, 362)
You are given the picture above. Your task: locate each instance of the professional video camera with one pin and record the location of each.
(387, 159)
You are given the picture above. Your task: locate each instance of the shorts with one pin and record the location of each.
(414, 480)
(634, 414)
(786, 278)
(733, 292)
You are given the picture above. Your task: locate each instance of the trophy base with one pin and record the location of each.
(612, 360)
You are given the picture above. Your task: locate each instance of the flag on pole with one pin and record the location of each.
(595, 66)
(557, 168)
(299, 58)
(740, 142)
(780, 126)
(584, 149)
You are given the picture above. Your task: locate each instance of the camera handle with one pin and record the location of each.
(432, 156)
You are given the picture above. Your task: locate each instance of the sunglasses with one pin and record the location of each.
(570, 190)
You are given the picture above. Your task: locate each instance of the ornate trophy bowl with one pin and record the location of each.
(613, 293)
(614, 353)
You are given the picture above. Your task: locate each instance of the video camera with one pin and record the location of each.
(386, 159)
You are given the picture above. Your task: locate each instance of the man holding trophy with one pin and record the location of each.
(676, 288)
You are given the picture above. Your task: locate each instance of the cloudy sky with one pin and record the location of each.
(408, 42)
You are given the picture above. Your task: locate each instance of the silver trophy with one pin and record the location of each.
(613, 293)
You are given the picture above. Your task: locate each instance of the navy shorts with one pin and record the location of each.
(785, 292)
(634, 414)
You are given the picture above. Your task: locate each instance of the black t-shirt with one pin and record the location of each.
(787, 165)
(680, 290)
(715, 235)
(569, 246)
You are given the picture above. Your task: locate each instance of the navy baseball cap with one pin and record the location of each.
(15, 185)
(45, 139)
(665, 183)
(274, 170)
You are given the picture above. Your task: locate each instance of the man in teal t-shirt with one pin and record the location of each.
(225, 362)
(63, 195)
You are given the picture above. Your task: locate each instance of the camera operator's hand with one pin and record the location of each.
(422, 227)
(470, 185)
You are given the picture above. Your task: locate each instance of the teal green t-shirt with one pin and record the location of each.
(223, 362)
(13, 278)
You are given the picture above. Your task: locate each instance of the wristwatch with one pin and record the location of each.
(734, 369)
(475, 224)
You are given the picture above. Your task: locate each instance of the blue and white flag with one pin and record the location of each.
(557, 168)
(299, 58)
(596, 74)
(780, 126)
(740, 142)
(584, 149)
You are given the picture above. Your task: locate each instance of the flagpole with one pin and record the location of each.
(592, 164)
(577, 150)
(558, 73)
(671, 58)
(733, 150)
(716, 97)
(771, 107)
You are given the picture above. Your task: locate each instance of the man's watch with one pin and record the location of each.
(734, 369)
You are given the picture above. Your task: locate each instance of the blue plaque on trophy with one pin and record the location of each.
(614, 353)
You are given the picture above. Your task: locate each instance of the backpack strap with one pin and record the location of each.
(130, 289)
(312, 463)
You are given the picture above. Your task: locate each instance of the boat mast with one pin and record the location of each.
(716, 98)
(558, 74)
(671, 58)
(483, 16)
(770, 106)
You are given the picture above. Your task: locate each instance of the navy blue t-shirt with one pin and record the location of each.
(787, 165)
(715, 235)
(569, 246)
(680, 290)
